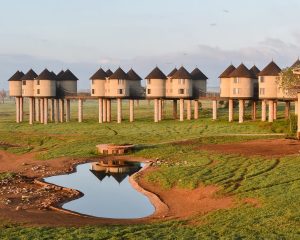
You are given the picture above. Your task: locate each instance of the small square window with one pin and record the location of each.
(149, 81)
(93, 91)
(149, 91)
(38, 82)
(38, 91)
(24, 83)
(120, 91)
(181, 91)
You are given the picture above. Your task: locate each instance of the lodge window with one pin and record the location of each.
(262, 91)
(181, 91)
(262, 80)
(236, 91)
(120, 91)
(93, 91)
(149, 91)
(38, 91)
(181, 81)
(38, 82)
(120, 81)
(24, 83)
(236, 80)
(92, 82)
(148, 81)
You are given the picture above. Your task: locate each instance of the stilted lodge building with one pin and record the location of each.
(156, 84)
(45, 84)
(182, 85)
(199, 83)
(28, 84)
(15, 84)
(98, 83)
(225, 82)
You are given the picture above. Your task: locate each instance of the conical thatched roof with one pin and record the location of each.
(255, 71)
(132, 75)
(100, 74)
(59, 75)
(119, 74)
(68, 75)
(17, 76)
(241, 71)
(156, 74)
(45, 75)
(109, 73)
(227, 72)
(172, 72)
(54, 76)
(30, 75)
(182, 73)
(296, 64)
(99, 174)
(271, 69)
(198, 75)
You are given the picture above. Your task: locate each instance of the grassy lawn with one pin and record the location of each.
(274, 182)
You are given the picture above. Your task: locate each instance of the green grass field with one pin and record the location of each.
(274, 182)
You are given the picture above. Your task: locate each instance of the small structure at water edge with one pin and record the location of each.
(111, 149)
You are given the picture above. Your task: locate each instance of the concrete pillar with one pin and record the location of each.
(61, 110)
(296, 108)
(108, 110)
(271, 110)
(17, 109)
(156, 110)
(37, 110)
(104, 110)
(254, 111)
(241, 110)
(21, 109)
(230, 110)
(45, 111)
(56, 111)
(181, 110)
(100, 110)
(119, 110)
(31, 111)
(68, 110)
(42, 110)
(51, 109)
(215, 109)
(175, 109)
(80, 112)
(159, 109)
(131, 110)
(188, 110)
(287, 110)
(196, 109)
(275, 110)
(263, 110)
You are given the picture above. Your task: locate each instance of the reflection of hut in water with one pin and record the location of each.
(117, 169)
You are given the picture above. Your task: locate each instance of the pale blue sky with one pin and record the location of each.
(84, 34)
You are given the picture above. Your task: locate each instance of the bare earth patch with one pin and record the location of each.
(185, 203)
(272, 147)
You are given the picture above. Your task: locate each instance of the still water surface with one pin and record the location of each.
(105, 194)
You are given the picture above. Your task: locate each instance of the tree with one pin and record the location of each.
(3, 95)
(289, 80)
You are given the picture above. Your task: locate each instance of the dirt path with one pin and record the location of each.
(272, 147)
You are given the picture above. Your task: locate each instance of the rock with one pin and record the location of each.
(18, 208)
